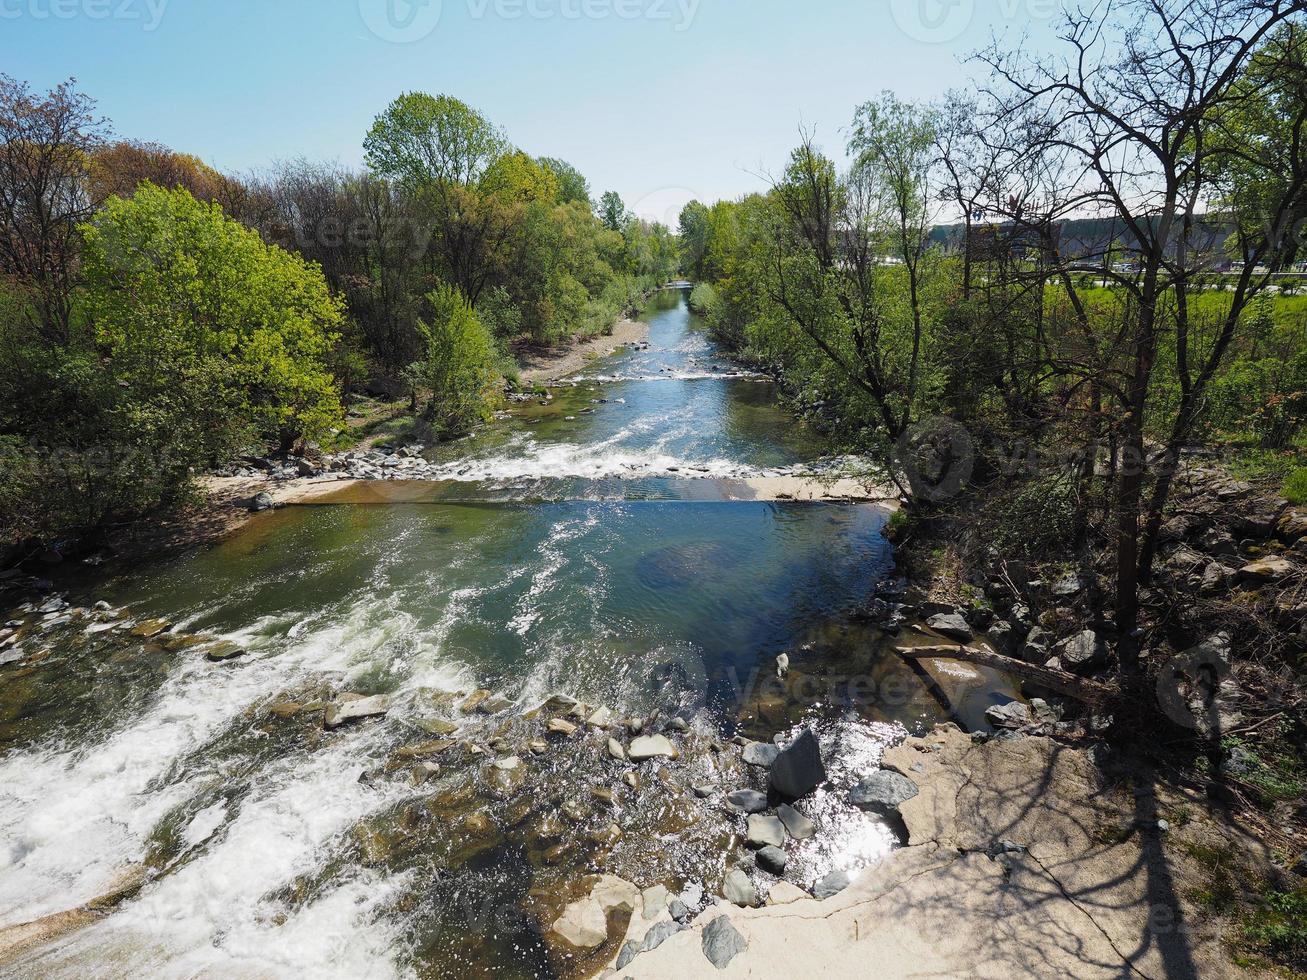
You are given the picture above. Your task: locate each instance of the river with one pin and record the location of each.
(588, 555)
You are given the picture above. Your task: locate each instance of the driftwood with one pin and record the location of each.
(1090, 692)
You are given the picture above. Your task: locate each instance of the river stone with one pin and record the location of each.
(436, 726)
(796, 824)
(1035, 649)
(831, 884)
(561, 726)
(654, 900)
(226, 650)
(584, 924)
(951, 625)
(260, 501)
(739, 890)
(747, 800)
(798, 769)
(658, 933)
(151, 628)
(1267, 570)
(1081, 651)
(616, 751)
(629, 952)
(760, 754)
(600, 718)
(722, 942)
(341, 712)
(474, 701)
(651, 747)
(1014, 714)
(785, 893)
(763, 830)
(772, 859)
(883, 792)
(507, 764)
(494, 705)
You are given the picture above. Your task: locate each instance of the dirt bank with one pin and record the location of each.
(541, 364)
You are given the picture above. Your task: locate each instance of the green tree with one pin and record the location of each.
(176, 291)
(461, 365)
(612, 211)
(572, 185)
(422, 139)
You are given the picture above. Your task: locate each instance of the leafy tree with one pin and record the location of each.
(433, 139)
(177, 291)
(460, 368)
(612, 212)
(572, 185)
(694, 233)
(119, 168)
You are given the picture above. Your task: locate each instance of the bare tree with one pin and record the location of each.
(46, 146)
(1138, 125)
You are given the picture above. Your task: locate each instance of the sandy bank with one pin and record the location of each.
(547, 365)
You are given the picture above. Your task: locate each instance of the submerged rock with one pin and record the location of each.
(616, 751)
(226, 650)
(798, 769)
(561, 726)
(722, 942)
(883, 792)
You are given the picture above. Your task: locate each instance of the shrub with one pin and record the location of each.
(461, 366)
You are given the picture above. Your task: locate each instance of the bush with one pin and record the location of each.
(461, 368)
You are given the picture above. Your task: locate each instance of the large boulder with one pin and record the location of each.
(883, 792)
(584, 923)
(798, 769)
(1292, 524)
(1014, 714)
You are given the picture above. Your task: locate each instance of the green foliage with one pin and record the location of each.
(1295, 486)
(422, 139)
(572, 186)
(179, 294)
(1277, 929)
(460, 369)
(612, 212)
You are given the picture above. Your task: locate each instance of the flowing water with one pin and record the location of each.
(586, 555)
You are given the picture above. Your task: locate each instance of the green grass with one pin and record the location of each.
(1295, 486)
(1277, 928)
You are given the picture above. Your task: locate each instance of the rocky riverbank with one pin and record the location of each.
(548, 364)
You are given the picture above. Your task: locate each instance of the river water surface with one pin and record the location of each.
(587, 555)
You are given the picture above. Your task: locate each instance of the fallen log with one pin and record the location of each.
(1090, 692)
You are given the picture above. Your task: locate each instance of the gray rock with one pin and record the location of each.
(772, 859)
(760, 754)
(1083, 651)
(1003, 637)
(1066, 587)
(658, 933)
(629, 952)
(1014, 714)
(952, 625)
(342, 712)
(831, 884)
(763, 830)
(705, 791)
(747, 800)
(739, 890)
(678, 910)
(616, 751)
(651, 747)
(1035, 649)
(883, 792)
(260, 501)
(798, 769)
(722, 942)
(796, 824)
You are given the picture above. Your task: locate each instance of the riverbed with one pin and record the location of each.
(581, 564)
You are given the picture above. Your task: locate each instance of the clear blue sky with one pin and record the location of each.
(660, 100)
